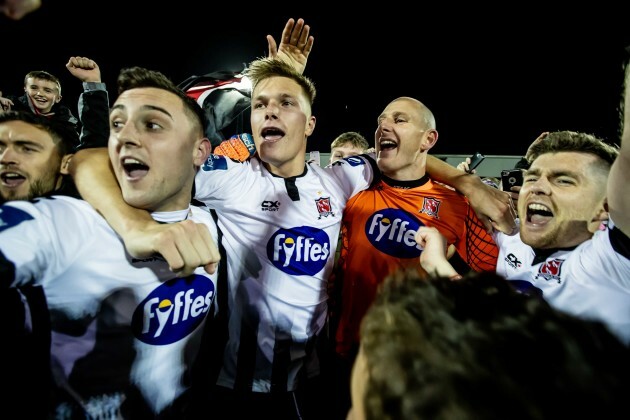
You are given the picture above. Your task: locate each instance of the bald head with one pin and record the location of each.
(424, 113)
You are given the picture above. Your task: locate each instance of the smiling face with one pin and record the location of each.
(154, 149)
(44, 94)
(30, 161)
(405, 133)
(561, 200)
(281, 121)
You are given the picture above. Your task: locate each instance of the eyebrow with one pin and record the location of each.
(145, 108)
(394, 115)
(30, 143)
(283, 96)
(553, 173)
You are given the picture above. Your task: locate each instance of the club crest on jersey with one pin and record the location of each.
(213, 163)
(10, 216)
(300, 251)
(324, 207)
(393, 232)
(431, 206)
(173, 310)
(550, 270)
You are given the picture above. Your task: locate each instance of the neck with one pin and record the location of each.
(287, 170)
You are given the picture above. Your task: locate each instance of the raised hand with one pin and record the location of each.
(84, 69)
(295, 45)
(464, 166)
(494, 208)
(5, 103)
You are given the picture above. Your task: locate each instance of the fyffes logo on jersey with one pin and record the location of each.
(300, 251)
(393, 232)
(173, 310)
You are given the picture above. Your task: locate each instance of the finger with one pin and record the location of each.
(309, 46)
(210, 268)
(175, 246)
(303, 34)
(286, 32)
(198, 249)
(488, 224)
(204, 245)
(297, 31)
(505, 223)
(272, 47)
(169, 251)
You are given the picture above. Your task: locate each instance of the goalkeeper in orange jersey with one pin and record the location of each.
(379, 227)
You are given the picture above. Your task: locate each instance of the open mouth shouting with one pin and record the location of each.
(134, 168)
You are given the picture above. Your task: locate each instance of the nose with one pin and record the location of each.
(7, 156)
(384, 126)
(540, 186)
(127, 136)
(271, 110)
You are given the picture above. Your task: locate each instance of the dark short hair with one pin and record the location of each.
(43, 75)
(64, 134)
(139, 77)
(573, 141)
(476, 348)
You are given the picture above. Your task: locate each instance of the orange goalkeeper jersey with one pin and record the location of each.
(378, 231)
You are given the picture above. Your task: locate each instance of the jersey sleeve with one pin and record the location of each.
(220, 180)
(354, 173)
(481, 250)
(35, 240)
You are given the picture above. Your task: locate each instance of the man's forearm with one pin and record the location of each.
(442, 172)
(95, 181)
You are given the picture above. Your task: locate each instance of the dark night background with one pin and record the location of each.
(494, 77)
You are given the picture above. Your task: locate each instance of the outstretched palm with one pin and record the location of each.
(295, 46)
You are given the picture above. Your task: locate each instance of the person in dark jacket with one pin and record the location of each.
(42, 96)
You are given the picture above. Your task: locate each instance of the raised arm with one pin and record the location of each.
(295, 46)
(93, 103)
(617, 191)
(185, 245)
(493, 207)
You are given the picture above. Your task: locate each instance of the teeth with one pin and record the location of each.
(11, 175)
(539, 207)
(387, 143)
(131, 161)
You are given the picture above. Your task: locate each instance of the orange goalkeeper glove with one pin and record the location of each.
(239, 147)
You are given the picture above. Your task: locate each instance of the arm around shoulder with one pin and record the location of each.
(494, 208)
(185, 245)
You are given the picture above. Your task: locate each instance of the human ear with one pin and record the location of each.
(65, 164)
